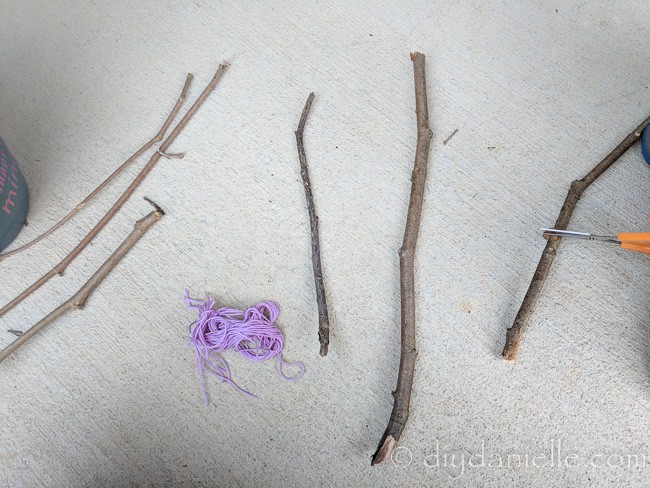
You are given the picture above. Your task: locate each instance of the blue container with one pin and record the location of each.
(645, 143)
(14, 199)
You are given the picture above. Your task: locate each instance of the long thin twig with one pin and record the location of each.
(157, 138)
(402, 394)
(79, 299)
(323, 318)
(60, 268)
(516, 332)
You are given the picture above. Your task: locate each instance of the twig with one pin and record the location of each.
(402, 394)
(444, 143)
(157, 138)
(79, 299)
(60, 268)
(323, 318)
(515, 333)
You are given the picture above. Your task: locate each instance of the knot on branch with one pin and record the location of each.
(405, 252)
(419, 170)
(578, 187)
(425, 133)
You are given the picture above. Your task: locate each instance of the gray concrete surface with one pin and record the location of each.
(539, 91)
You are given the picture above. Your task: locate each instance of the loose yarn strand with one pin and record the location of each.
(252, 333)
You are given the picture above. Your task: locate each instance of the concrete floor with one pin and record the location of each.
(539, 93)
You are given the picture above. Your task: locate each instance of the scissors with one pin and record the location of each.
(632, 241)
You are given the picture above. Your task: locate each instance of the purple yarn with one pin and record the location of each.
(252, 333)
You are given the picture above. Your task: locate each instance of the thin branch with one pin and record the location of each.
(323, 318)
(60, 268)
(157, 138)
(402, 394)
(516, 332)
(79, 299)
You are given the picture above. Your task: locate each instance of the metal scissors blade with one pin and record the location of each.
(579, 235)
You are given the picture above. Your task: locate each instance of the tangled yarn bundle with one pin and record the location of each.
(252, 333)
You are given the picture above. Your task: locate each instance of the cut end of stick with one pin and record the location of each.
(186, 86)
(513, 339)
(384, 451)
(510, 354)
(415, 55)
(323, 348)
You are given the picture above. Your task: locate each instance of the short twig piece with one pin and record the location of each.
(516, 332)
(323, 318)
(402, 394)
(79, 299)
(157, 138)
(444, 143)
(171, 155)
(60, 268)
(154, 205)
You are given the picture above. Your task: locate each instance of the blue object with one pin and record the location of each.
(645, 143)
(14, 199)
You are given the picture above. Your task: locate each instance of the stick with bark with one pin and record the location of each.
(323, 318)
(515, 333)
(60, 268)
(157, 138)
(79, 299)
(402, 394)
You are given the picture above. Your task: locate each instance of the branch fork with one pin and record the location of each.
(516, 332)
(153, 141)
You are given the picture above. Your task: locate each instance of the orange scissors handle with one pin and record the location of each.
(635, 241)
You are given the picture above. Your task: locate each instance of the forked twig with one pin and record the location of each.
(60, 268)
(79, 299)
(577, 188)
(402, 394)
(323, 318)
(157, 138)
